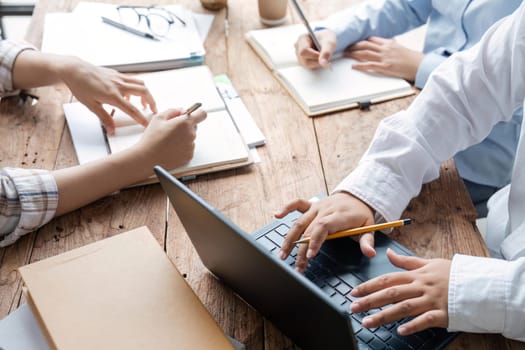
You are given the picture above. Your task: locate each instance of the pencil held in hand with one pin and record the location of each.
(361, 230)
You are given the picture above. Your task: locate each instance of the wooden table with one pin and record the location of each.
(302, 157)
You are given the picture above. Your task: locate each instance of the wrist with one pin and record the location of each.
(63, 66)
(137, 161)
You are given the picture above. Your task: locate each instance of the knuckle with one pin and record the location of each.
(299, 224)
(429, 319)
(392, 292)
(384, 280)
(323, 225)
(405, 307)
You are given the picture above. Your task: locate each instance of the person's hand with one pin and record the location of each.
(385, 56)
(422, 291)
(168, 140)
(94, 86)
(335, 213)
(307, 54)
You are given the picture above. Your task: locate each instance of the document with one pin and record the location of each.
(90, 38)
(321, 91)
(219, 144)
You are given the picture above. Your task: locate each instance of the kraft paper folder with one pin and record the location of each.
(122, 292)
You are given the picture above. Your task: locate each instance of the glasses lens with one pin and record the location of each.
(158, 24)
(129, 16)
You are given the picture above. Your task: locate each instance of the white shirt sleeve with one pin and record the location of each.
(487, 295)
(464, 98)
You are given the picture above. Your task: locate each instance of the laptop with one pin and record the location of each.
(311, 309)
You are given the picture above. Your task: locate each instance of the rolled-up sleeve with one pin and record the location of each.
(9, 51)
(28, 200)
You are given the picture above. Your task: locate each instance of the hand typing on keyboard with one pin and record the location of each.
(328, 215)
(420, 292)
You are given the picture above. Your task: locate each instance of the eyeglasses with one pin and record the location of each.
(158, 19)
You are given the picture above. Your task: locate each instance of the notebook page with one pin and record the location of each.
(180, 88)
(218, 142)
(101, 44)
(86, 133)
(276, 45)
(324, 88)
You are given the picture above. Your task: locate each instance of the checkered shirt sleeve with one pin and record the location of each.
(28, 200)
(9, 50)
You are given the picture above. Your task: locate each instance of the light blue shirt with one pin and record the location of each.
(453, 25)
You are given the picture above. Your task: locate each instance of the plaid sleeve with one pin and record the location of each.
(9, 50)
(28, 200)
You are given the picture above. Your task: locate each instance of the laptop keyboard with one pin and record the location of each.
(338, 287)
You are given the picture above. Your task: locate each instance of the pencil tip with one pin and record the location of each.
(407, 221)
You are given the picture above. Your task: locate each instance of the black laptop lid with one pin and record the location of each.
(282, 295)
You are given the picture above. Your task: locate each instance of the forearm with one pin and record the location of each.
(33, 69)
(83, 184)
(384, 19)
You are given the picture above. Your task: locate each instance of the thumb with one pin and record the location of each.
(324, 56)
(405, 262)
(198, 116)
(366, 242)
(328, 44)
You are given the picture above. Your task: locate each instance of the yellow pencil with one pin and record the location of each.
(360, 230)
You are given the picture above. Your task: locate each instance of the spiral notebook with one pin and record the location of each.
(321, 91)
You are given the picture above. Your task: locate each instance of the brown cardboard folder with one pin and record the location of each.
(122, 292)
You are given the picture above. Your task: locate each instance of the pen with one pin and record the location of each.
(128, 28)
(193, 108)
(311, 33)
(360, 230)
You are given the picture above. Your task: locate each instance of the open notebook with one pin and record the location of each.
(321, 91)
(82, 33)
(218, 145)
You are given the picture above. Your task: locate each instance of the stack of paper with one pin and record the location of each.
(82, 33)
